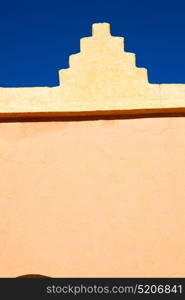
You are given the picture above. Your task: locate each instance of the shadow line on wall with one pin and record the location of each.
(91, 115)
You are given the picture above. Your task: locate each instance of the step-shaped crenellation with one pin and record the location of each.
(142, 75)
(101, 40)
(100, 30)
(102, 52)
(101, 77)
(126, 60)
(75, 59)
(96, 45)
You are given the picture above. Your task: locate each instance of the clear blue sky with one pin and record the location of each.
(37, 36)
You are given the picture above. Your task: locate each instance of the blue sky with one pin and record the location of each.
(36, 37)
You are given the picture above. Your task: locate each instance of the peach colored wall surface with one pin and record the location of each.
(93, 198)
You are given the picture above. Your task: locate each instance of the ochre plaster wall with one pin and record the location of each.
(93, 198)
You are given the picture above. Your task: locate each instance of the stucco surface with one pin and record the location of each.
(101, 77)
(93, 198)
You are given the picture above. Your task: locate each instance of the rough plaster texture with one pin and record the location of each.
(101, 77)
(93, 198)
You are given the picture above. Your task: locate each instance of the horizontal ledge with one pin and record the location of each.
(91, 115)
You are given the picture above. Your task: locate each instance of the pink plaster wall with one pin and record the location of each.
(93, 198)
